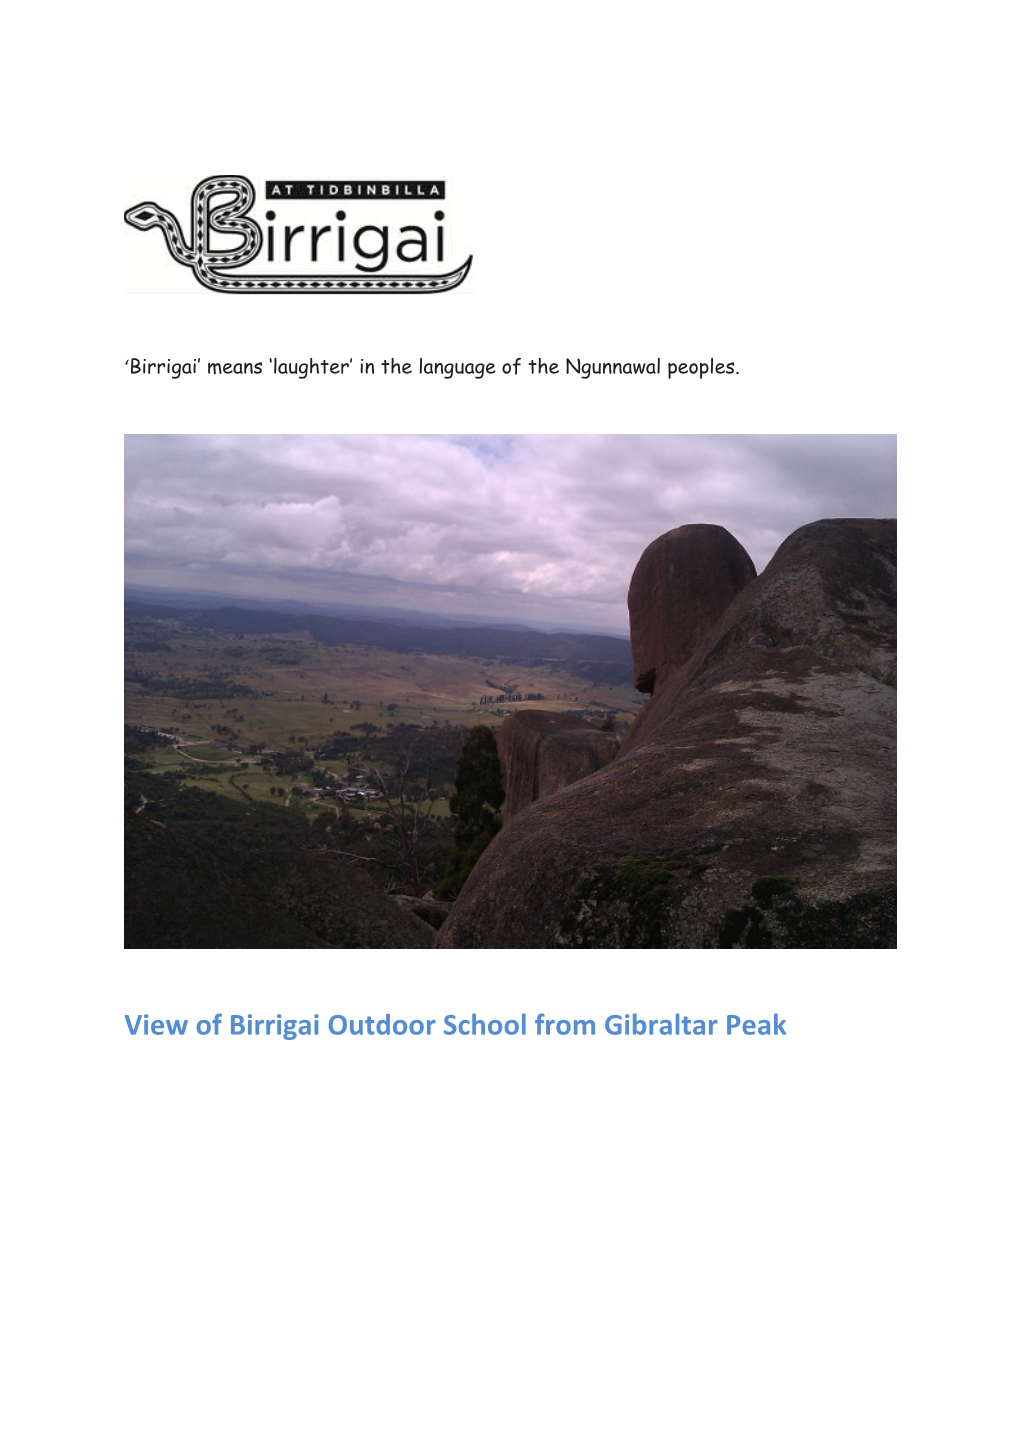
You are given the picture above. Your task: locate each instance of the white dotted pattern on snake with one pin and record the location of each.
(232, 218)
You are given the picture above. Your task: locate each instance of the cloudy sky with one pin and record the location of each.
(538, 529)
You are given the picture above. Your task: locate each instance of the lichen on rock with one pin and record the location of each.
(753, 803)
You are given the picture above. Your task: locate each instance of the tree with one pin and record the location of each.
(409, 808)
(477, 803)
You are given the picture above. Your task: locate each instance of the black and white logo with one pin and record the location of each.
(312, 237)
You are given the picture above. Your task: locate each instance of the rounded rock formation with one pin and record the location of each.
(681, 586)
(753, 804)
(542, 752)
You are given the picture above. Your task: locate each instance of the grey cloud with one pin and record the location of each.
(537, 528)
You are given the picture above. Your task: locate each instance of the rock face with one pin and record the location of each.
(428, 909)
(542, 752)
(752, 806)
(683, 583)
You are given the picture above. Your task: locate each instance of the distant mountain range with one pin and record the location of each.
(448, 637)
(212, 600)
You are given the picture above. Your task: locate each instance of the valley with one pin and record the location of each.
(263, 761)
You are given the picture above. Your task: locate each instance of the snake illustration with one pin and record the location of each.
(231, 218)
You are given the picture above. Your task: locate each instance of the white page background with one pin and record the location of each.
(596, 1238)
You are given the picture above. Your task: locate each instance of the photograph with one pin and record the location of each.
(510, 691)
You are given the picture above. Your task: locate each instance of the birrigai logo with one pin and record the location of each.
(311, 237)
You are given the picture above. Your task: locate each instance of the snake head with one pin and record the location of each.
(143, 216)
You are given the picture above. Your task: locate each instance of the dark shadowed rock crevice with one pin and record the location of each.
(752, 806)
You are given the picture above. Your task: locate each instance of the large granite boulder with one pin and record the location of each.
(752, 806)
(543, 751)
(683, 583)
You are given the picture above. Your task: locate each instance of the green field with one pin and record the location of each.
(225, 702)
